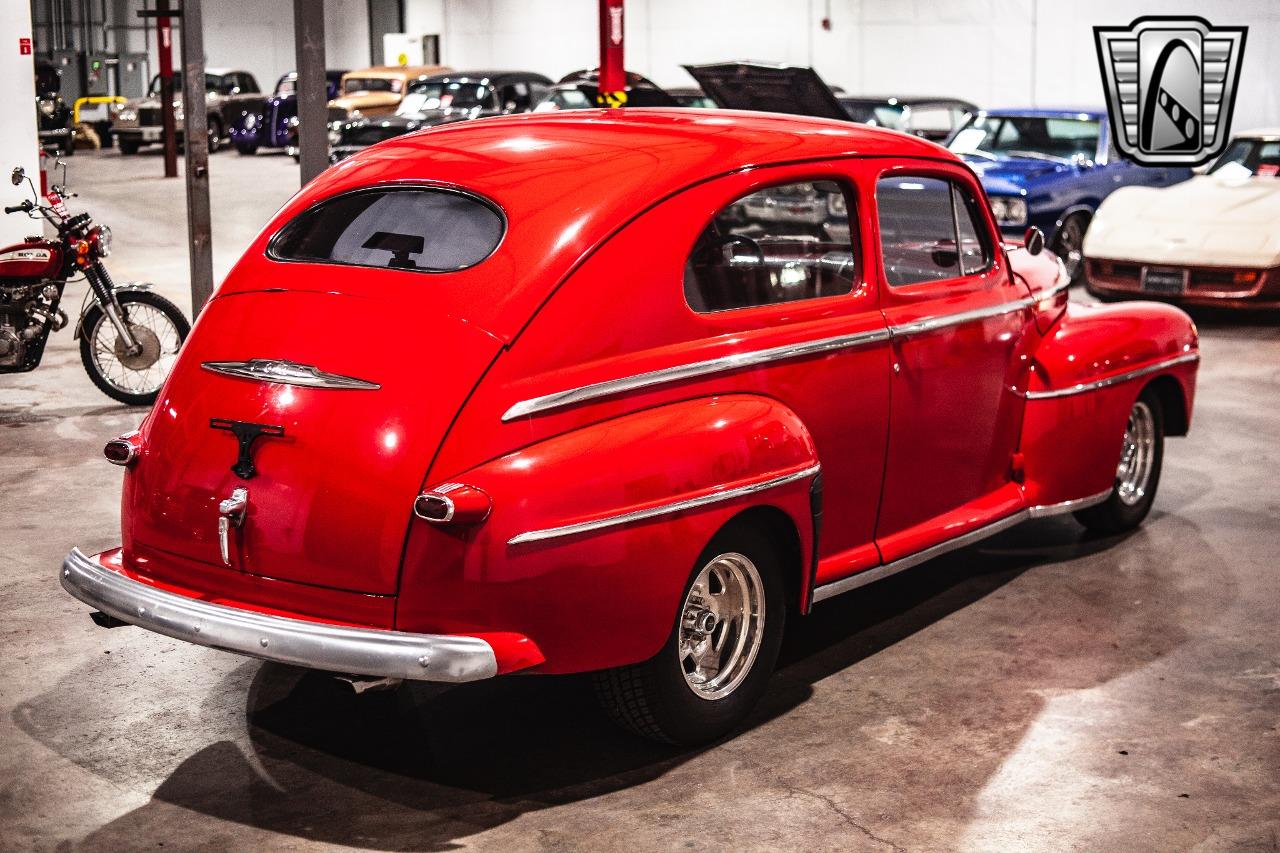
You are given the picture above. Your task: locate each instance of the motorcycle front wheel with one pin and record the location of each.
(133, 378)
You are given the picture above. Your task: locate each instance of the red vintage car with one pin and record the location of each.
(619, 392)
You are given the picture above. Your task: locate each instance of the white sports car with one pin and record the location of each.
(1212, 240)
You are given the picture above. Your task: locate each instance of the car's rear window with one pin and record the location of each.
(427, 229)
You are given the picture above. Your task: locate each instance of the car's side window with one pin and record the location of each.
(779, 244)
(923, 220)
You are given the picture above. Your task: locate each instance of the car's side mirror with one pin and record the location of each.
(17, 175)
(1033, 240)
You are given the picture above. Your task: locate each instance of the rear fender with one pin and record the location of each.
(593, 533)
(1084, 379)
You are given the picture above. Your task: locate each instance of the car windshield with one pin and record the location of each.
(370, 84)
(875, 113)
(1248, 157)
(1059, 139)
(448, 95)
(212, 83)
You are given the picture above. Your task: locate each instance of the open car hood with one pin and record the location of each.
(768, 88)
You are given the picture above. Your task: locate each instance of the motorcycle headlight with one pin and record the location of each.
(335, 133)
(250, 121)
(1009, 211)
(100, 240)
(48, 107)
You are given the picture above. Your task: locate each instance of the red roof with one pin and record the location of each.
(567, 180)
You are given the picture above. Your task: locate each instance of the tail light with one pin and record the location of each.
(453, 503)
(123, 450)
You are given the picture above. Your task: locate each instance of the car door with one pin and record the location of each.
(958, 323)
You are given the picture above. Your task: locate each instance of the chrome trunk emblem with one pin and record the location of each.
(288, 373)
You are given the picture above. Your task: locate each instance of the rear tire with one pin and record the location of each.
(738, 585)
(1137, 474)
(215, 135)
(246, 149)
(1068, 244)
(128, 147)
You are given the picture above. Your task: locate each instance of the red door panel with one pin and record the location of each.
(958, 336)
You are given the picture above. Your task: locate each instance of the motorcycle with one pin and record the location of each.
(129, 336)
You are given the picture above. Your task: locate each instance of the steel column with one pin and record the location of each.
(313, 132)
(196, 138)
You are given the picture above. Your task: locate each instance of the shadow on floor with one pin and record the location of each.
(425, 766)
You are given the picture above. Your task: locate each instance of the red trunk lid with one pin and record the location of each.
(333, 494)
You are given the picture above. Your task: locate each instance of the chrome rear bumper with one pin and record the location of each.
(335, 648)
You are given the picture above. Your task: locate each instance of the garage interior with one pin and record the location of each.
(1046, 689)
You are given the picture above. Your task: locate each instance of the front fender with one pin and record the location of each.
(1084, 378)
(593, 533)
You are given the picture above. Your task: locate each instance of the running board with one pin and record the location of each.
(868, 576)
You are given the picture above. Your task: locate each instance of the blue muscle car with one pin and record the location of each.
(1050, 169)
(274, 122)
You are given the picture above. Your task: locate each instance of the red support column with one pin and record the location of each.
(613, 75)
(164, 36)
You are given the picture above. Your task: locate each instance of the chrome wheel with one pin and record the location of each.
(142, 371)
(721, 626)
(1137, 457)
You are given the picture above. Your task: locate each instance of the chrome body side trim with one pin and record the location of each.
(868, 576)
(336, 648)
(943, 321)
(288, 373)
(695, 369)
(664, 509)
(1082, 387)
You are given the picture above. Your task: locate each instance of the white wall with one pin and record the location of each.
(19, 145)
(994, 52)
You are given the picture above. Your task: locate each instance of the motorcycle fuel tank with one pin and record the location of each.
(34, 259)
(294, 435)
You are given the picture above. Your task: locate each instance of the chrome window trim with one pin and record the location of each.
(861, 579)
(664, 509)
(943, 321)
(695, 369)
(1083, 387)
(288, 373)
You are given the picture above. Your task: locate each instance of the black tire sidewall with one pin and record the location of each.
(1082, 222)
(95, 315)
(686, 718)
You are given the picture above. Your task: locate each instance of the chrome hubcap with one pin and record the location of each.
(721, 626)
(1137, 458)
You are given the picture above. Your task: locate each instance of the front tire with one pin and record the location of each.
(1068, 244)
(720, 653)
(1137, 474)
(215, 135)
(128, 147)
(133, 378)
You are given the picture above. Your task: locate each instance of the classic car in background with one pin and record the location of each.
(929, 118)
(579, 90)
(274, 122)
(228, 92)
(800, 91)
(53, 115)
(1051, 169)
(691, 96)
(376, 91)
(1213, 240)
(650, 495)
(443, 99)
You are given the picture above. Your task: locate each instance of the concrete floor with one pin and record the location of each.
(1039, 692)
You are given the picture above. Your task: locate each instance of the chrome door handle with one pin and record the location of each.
(231, 514)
